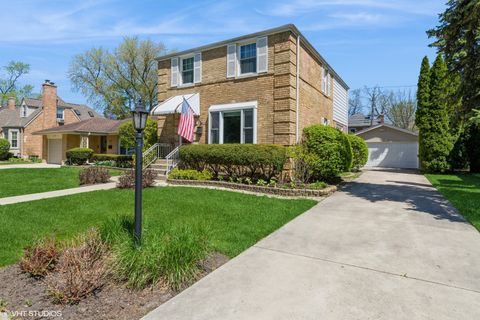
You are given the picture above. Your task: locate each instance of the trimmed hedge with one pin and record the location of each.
(79, 155)
(359, 151)
(121, 160)
(236, 160)
(329, 151)
(4, 149)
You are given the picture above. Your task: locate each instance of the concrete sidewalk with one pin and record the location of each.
(388, 246)
(30, 166)
(57, 193)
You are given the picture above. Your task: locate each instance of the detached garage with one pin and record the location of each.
(391, 147)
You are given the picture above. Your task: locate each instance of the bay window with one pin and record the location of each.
(232, 123)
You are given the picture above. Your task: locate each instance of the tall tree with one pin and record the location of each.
(458, 38)
(434, 123)
(401, 110)
(9, 85)
(114, 81)
(423, 104)
(355, 104)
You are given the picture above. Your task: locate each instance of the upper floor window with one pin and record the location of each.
(247, 58)
(187, 70)
(24, 111)
(60, 113)
(326, 82)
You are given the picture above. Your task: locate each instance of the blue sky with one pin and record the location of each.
(368, 42)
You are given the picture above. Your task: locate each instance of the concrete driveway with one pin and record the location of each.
(387, 246)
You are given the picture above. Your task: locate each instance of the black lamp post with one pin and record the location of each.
(140, 116)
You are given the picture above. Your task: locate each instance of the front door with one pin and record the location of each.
(103, 144)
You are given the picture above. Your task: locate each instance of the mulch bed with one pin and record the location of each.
(23, 293)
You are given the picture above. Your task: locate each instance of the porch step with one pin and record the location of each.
(158, 166)
(160, 162)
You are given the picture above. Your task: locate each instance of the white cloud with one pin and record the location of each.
(298, 7)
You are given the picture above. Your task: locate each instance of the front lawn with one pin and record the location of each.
(14, 182)
(463, 191)
(232, 221)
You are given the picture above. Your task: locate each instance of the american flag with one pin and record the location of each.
(187, 122)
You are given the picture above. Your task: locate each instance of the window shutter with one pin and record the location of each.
(197, 67)
(174, 72)
(262, 54)
(231, 60)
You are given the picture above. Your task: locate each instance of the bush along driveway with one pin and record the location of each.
(387, 246)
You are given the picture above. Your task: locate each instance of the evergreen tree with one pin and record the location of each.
(423, 104)
(436, 138)
(457, 37)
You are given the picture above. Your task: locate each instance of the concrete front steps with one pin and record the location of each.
(160, 166)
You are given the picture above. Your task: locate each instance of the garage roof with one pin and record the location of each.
(387, 126)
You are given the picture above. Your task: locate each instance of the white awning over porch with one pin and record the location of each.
(173, 105)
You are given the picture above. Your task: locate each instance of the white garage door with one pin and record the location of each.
(55, 151)
(393, 154)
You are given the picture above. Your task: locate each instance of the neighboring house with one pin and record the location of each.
(98, 134)
(19, 124)
(391, 147)
(259, 88)
(359, 122)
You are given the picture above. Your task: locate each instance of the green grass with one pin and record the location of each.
(14, 182)
(233, 221)
(463, 191)
(15, 162)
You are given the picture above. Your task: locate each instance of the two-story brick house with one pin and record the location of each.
(259, 88)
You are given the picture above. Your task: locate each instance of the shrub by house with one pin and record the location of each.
(79, 156)
(327, 151)
(359, 151)
(236, 160)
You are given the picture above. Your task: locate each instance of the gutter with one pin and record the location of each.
(297, 90)
(287, 27)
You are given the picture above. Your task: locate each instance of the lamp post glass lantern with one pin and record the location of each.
(139, 116)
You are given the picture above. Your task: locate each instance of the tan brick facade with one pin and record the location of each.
(275, 92)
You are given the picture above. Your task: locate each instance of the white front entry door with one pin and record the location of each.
(55, 151)
(393, 155)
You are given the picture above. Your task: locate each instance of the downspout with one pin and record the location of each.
(297, 89)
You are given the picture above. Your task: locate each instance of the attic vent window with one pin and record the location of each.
(90, 113)
(77, 112)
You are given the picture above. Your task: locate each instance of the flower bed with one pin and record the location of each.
(259, 189)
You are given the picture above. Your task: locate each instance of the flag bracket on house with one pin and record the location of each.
(174, 105)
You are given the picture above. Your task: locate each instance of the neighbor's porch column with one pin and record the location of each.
(84, 142)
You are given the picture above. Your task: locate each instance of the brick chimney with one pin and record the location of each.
(11, 103)
(381, 117)
(49, 103)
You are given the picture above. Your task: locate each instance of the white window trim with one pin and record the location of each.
(180, 70)
(63, 113)
(232, 107)
(238, 69)
(10, 138)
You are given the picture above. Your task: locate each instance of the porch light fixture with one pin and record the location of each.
(140, 116)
